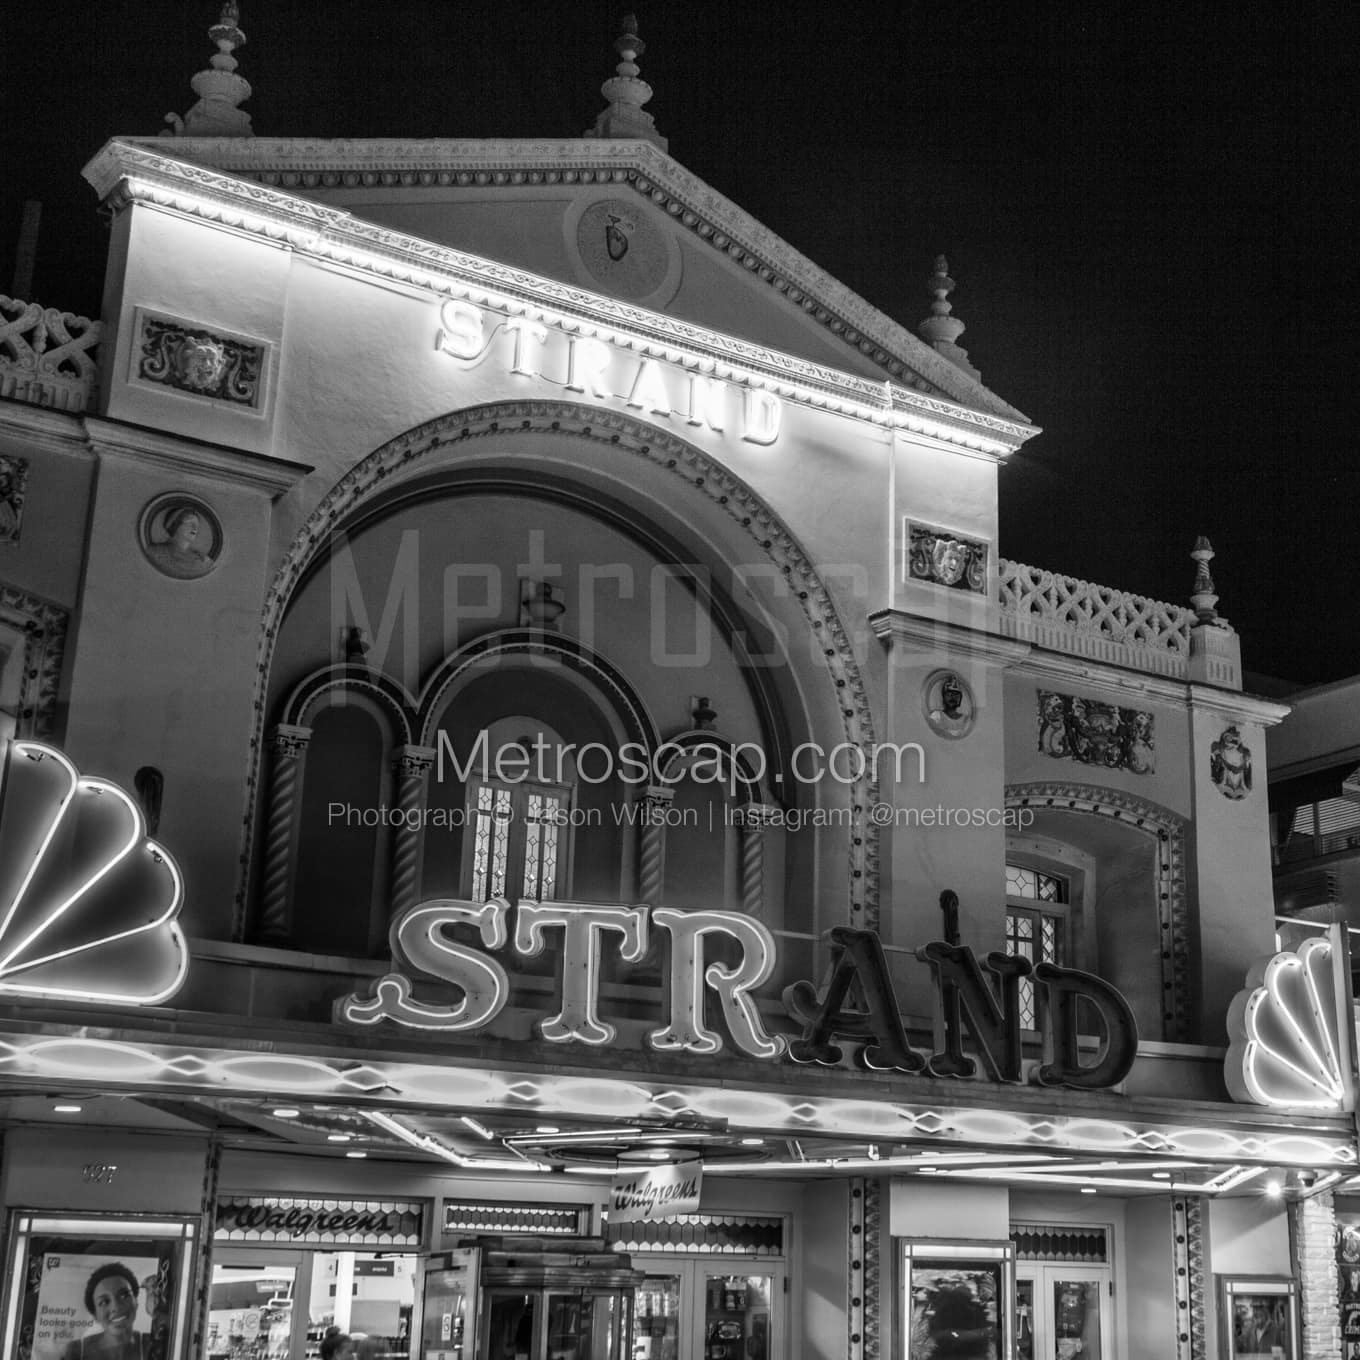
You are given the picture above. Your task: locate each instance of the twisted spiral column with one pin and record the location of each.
(412, 769)
(288, 758)
(652, 849)
(755, 819)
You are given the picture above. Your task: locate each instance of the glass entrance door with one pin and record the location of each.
(708, 1310)
(1063, 1312)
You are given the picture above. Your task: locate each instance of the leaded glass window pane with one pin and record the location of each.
(532, 835)
(1037, 936)
(554, 810)
(1033, 885)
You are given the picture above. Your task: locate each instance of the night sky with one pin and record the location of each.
(1150, 214)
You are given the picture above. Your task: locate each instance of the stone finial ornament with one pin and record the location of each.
(219, 89)
(940, 330)
(627, 93)
(540, 606)
(356, 645)
(1202, 595)
(703, 714)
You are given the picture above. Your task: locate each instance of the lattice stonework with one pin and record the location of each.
(46, 356)
(717, 1235)
(1078, 617)
(1173, 908)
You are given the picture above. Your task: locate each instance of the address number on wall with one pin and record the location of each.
(98, 1173)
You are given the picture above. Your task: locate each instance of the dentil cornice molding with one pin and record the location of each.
(127, 172)
(315, 163)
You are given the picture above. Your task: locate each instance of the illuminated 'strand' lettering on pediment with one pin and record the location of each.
(598, 371)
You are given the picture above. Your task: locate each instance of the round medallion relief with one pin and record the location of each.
(623, 250)
(947, 699)
(180, 535)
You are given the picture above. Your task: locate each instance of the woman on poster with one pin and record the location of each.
(111, 1300)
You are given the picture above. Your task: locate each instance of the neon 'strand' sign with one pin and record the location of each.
(458, 942)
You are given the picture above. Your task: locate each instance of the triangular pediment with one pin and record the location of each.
(621, 218)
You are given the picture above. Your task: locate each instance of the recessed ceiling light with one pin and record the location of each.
(66, 1109)
(547, 1128)
(338, 1137)
(659, 1155)
(927, 1170)
(356, 1154)
(1161, 1175)
(285, 1112)
(1274, 1189)
(752, 1142)
(1088, 1189)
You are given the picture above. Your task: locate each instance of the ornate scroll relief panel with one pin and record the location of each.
(944, 558)
(32, 644)
(169, 352)
(1095, 733)
(1290, 1030)
(87, 901)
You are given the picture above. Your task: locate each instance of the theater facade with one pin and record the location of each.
(538, 822)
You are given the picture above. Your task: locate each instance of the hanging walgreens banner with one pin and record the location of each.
(638, 1194)
(717, 961)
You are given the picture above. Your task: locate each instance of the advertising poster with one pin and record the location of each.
(97, 1299)
(955, 1310)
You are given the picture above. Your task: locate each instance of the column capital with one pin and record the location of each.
(288, 741)
(413, 762)
(756, 817)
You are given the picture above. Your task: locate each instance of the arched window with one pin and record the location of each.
(522, 820)
(342, 846)
(518, 840)
(1124, 901)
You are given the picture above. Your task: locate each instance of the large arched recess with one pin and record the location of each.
(686, 507)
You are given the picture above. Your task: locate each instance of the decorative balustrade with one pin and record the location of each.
(47, 356)
(1067, 615)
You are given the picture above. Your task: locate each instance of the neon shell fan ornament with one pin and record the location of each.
(1289, 1046)
(87, 901)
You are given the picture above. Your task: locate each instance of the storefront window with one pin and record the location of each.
(250, 1312)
